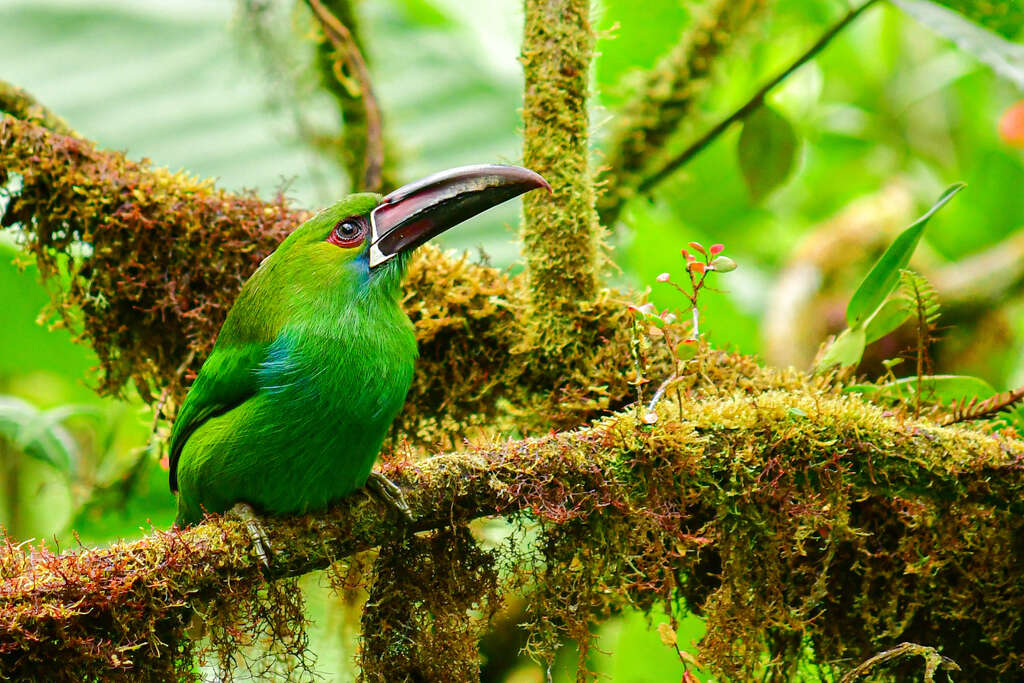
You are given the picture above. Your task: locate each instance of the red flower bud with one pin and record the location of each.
(1011, 125)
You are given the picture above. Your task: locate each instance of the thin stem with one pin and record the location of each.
(752, 104)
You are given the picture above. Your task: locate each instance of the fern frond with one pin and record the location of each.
(964, 411)
(924, 304)
(921, 296)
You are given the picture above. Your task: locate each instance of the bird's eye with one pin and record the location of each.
(347, 233)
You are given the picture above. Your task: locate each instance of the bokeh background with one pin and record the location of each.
(888, 116)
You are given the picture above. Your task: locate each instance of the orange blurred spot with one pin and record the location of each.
(1011, 125)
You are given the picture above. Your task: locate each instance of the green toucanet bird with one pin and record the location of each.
(316, 356)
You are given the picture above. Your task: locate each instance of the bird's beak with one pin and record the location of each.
(422, 210)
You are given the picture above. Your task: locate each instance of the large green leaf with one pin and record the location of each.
(1005, 57)
(893, 313)
(766, 150)
(885, 274)
(847, 349)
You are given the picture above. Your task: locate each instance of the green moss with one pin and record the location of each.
(431, 599)
(560, 232)
(20, 104)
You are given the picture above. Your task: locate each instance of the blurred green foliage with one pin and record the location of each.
(184, 85)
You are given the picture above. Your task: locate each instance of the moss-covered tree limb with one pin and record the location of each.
(666, 99)
(561, 235)
(143, 226)
(790, 513)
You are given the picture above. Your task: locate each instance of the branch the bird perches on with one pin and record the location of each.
(747, 486)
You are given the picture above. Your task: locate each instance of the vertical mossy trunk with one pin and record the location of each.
(560, 232)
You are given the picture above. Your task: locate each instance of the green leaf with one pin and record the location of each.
(766, 150)
(885, 274)
(38, 434)
(847, 349)
(1005, 57)
(889, 316)
(935, 388)
(685, 350)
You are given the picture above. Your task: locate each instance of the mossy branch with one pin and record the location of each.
(782, 511)
(666, 99)
(561, 235)
(820, 488)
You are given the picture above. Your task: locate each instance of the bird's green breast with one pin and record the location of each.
(329, 386)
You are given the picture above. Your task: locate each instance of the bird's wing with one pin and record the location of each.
(227, 379)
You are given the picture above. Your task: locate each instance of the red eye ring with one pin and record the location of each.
(348, 233)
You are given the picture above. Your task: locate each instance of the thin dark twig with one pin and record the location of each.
(752, 104)
(342, 40)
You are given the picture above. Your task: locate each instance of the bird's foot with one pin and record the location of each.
(260, 542)
(388, 491)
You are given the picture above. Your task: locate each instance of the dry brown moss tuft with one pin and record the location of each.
(130, 239)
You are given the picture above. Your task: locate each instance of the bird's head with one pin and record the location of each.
(366, 239)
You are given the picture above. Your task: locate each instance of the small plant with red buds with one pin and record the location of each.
(698, 270)
(659, 324)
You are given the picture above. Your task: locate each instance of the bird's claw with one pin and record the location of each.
(260, 542)
(388, 491)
